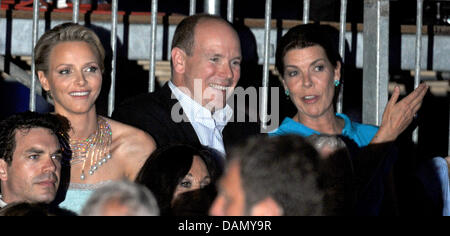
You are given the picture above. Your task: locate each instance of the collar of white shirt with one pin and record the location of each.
(2, 203)
(207, 126)
(195, 112)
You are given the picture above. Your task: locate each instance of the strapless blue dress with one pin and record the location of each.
(78, 194)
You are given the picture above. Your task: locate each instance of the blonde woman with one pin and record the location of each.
(69, 64)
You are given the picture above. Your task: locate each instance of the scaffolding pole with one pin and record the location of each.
(376, 60)
(212, 7)
(230, 11)
(265, 82)
(342, 31)
(112, 90)
(192, 7)
(36, 6)
(306, 4)
(76, 11)
(419, 23)
(151, 84)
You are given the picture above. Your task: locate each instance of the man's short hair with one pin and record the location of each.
(285, 168)
(184, 36)
(137, 199)
(58, 125)
(336, 172)
(321, 141)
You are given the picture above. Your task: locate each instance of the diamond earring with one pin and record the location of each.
(286, 92)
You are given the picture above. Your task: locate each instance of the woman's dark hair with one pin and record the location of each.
(309, 35)
(167, 166)
(303, 36)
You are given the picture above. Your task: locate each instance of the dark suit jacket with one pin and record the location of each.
(152, 113)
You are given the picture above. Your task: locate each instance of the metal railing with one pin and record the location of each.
(230, 11)
(212, 7)
(306, 5)
(342, 30)
(76, 11)
(375, 55)
(419, 23)
(36, 6)
(112, 90)
(192, 7)
(376, 60)
(265, 80)
(153, 46)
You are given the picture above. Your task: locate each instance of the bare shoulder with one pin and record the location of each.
(130, 139)
(130, 147)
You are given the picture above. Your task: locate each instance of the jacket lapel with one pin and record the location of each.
(186, 128)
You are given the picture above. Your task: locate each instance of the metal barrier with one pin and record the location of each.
(376, 65)
(33, 43)
(306, 11)
(265, 80)
(76, 11)
(212, 7)
(192, 7)
(112, 90)
(230, 11)
(153, 46)
(342, 29)
(419, 23)
(375, 55)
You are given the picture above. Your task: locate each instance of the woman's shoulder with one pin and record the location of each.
(130, 146)
(290, 126)
(355, 124)
(364, 127)
(361, 133)
(127, 135)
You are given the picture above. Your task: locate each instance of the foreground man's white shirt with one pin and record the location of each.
(207, 126)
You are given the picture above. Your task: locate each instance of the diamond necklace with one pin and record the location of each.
(95, 149)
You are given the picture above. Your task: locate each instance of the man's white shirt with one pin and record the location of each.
(207, 126)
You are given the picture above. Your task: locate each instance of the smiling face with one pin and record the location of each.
(74, 77)
(34, 173)
(309, 76)
(212, 70)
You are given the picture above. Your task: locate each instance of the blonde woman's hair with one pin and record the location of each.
(66, 32)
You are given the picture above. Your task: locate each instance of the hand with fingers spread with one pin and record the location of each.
(398, 116)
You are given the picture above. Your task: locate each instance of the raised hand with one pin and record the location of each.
(398, 116)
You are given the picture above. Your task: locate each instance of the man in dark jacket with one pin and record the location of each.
(192, 108)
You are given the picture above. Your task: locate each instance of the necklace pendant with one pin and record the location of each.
(93, 148)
